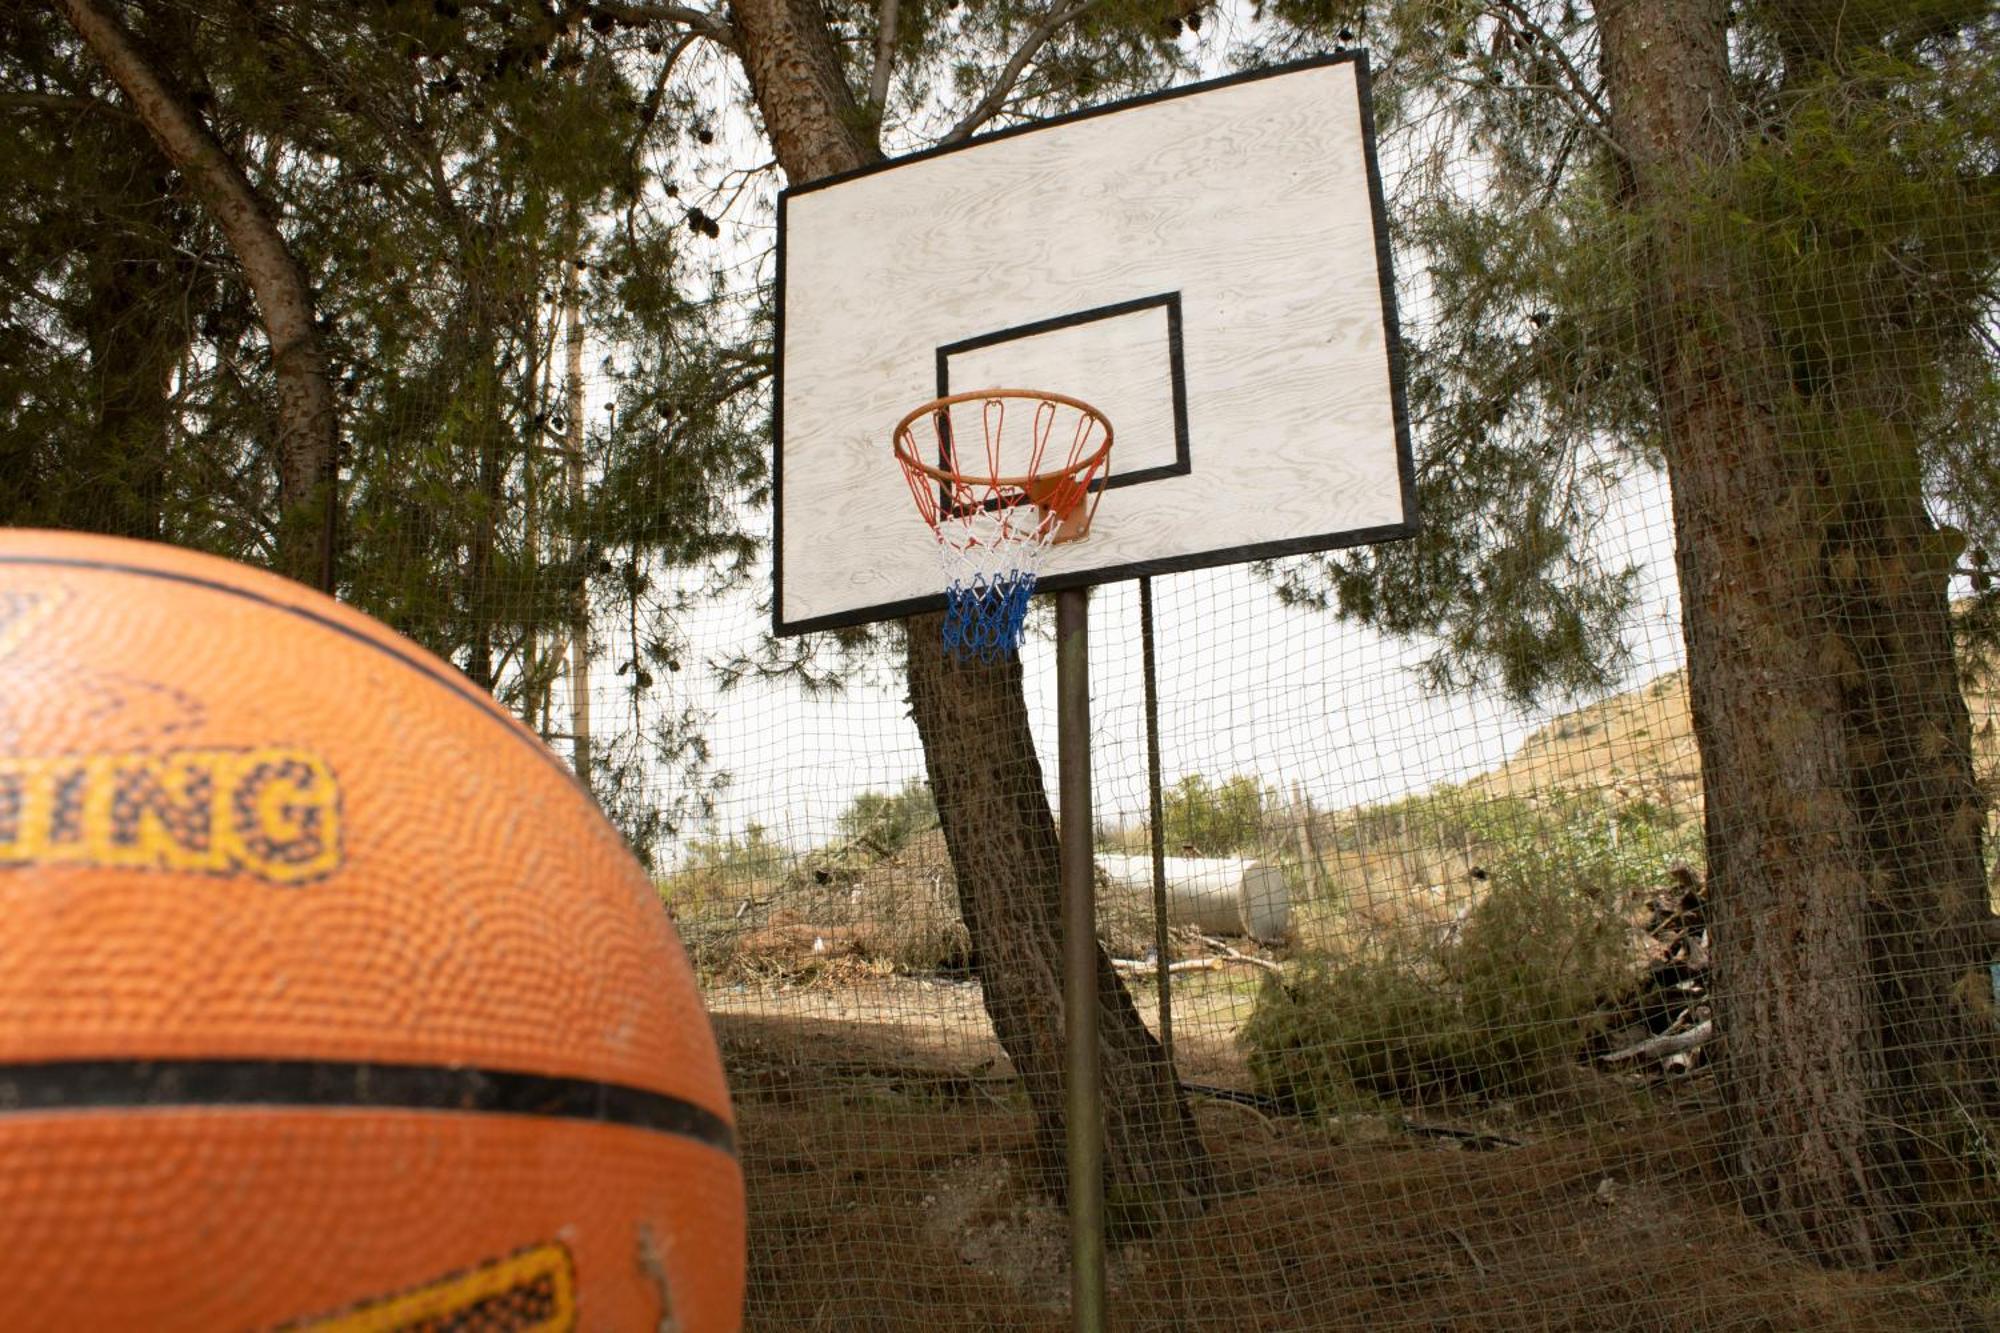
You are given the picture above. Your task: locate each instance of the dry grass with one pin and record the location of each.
(1638, 745)
(853, 912)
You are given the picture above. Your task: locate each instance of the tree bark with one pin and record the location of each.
(1843, 824)
(135, 324)
(308, 424)
(579, 616)
(815, 125)
(980, 755)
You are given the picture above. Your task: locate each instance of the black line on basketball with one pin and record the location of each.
(77, 1085)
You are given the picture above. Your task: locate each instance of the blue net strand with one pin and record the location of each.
(983, 617)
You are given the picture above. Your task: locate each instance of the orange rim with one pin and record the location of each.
(903, 441)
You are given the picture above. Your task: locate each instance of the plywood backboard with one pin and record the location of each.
(1208, 266)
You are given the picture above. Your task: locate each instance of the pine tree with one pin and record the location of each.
(1755, 247)
(442, 173)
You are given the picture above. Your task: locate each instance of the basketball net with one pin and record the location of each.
(998, 508)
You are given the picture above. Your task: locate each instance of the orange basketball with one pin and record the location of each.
(328, 1000)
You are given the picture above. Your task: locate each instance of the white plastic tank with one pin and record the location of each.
(1223, 895)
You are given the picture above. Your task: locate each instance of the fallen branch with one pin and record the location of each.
(1658, 1047)
(1254, 1103)
(1144, 967)
(1140, 966)
(1466, 1245)
(1232, 953)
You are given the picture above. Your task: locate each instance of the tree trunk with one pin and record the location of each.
(980, 756)
(815, 126)
(482, 590)
(579, 615)
(136, 326)
(1843, 825)
(308, 425)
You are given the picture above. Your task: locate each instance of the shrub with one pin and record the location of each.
(1217, 818)
(889, 820)
(1448, 817)
(714, 866)
(1340, 1030)
(1537, 957)
(1493, 1006)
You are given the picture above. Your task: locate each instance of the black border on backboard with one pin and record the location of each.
(1176, 370)
(1392, 337)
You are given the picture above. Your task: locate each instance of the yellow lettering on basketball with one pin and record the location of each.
(533, 1291)
(273, 814)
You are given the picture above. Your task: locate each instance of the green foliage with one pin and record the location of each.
(713, 867)
(1613, 846)
(1447, 817)
(1547, 943)
(1491, 1005)
(1491, 1012)
(452, 178)
(1862, 213)
(1216, 819)
(888, 820)
(1340, 1032)
(101, 262)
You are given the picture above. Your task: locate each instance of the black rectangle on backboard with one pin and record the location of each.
(1174, 376)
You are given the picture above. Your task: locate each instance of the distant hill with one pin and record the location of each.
(1636, 744)
(1640, 744)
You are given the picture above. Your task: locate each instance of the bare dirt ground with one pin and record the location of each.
(881, 1136)
(938, 1023)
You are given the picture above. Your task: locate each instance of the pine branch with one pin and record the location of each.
(1576, 88)
(700, 21)
(885, 59)
(64, 102)
(996, 96)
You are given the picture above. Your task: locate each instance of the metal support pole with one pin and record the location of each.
(1156, 805)
(1080, 999)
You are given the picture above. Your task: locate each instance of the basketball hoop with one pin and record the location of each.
(998, 505)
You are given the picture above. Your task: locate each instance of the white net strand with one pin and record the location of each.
(991, 561)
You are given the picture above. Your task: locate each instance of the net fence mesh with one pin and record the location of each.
(1458, 1031)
